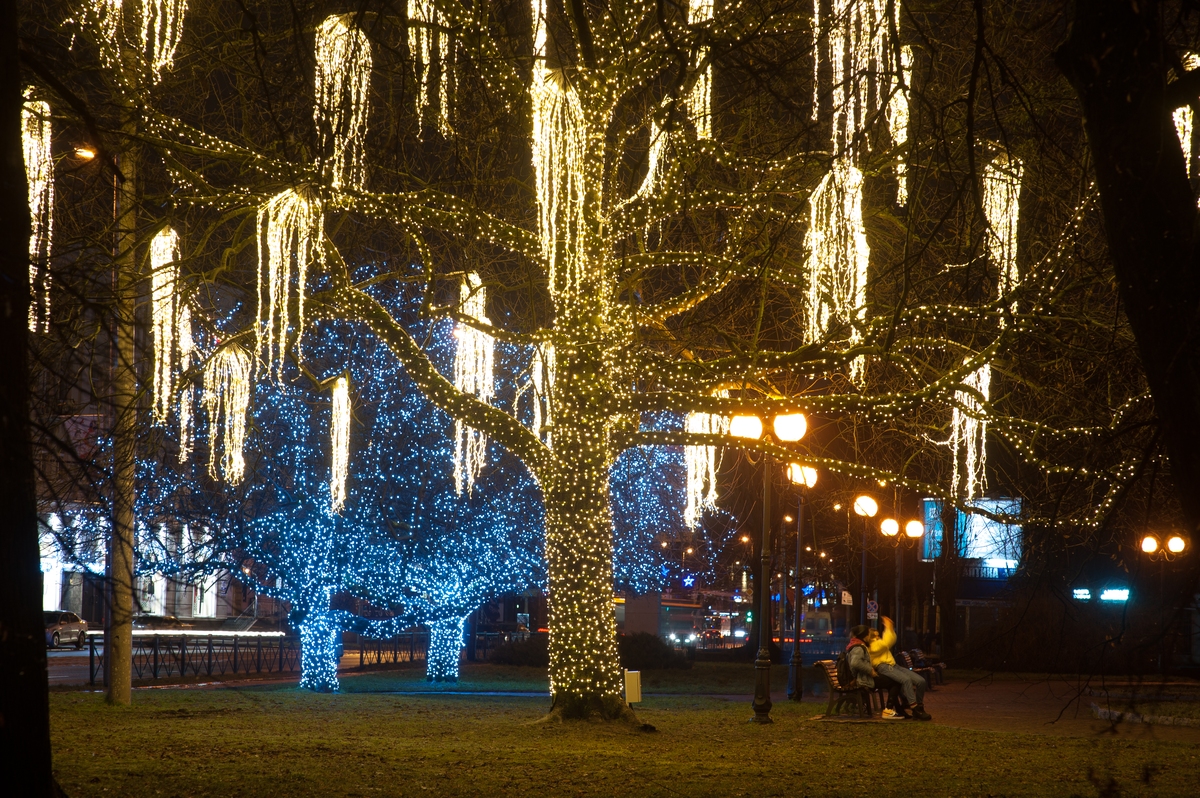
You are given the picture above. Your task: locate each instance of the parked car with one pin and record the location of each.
(65, 627)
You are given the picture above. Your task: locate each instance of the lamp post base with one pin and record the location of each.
(762, 688)
(795, 679)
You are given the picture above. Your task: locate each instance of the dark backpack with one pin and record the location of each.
(845, 676)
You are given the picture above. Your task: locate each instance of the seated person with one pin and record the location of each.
(912, 684)
(859, 657)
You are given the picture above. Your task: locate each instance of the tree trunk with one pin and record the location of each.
(320, 636)
(24, 701)
(445, 647)
(1118, 63)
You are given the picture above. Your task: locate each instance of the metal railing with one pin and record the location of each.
(412, 646)
(164, 656)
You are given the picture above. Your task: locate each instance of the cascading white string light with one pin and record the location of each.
(164, 317)
(227, 384)
(187, 394)
(838, 257)
(541, 372)
(1184, 118)
(859, 51)
(898, 120)
(39, 173)
(559, 144)
(699, 100)
(473, 375)
(291, 231)
(339, 435)
(1001, 209)
(701, 465)
(343, 80)
(655, 162)
(162, 28)
(968, 435)
(433, 51)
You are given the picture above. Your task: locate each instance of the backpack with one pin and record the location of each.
(845, 676)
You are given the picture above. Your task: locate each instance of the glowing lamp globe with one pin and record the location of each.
(749, 427)
(790, 428)
(890, 527)
(802, 475)
(1149, 544)
(865, 506)
(1176, 544)
(914, 529)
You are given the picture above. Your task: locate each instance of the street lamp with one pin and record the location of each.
(804, 477)
(788, 428)
(864, 507)
(913, 531)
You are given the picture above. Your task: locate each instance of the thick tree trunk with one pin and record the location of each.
(320, 636)
(24, 702)
(585, 676)
(445, 649)
(1118, 63)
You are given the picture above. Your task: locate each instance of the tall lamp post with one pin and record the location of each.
(865, 507)
(1162, 551)
(788, 428)
(913, 531)
(804, 477)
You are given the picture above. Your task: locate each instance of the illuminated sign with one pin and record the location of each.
(1115, 594)
(1082, 594)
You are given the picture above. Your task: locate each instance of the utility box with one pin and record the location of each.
(633, 687)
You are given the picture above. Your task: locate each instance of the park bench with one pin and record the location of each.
(927, 673)
(926, 661)
(841, 695)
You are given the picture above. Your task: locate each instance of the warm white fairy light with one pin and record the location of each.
(968, 435)
(1183, 129)
(39, 172)
(227, 399)
(541, 372)
(339, 436)
(164, 318)
(187, 394)
(433, 52)
(1001, 208)
(343, 80)
(473, 375)
(701, 465)
(290, 234)
(655, 163)
(699, 100)
(859, 50)
(838, 257)
(559, 145)
(898, 121)
(162, 28)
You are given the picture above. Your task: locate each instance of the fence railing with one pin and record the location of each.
(412, 646)
(164, 656)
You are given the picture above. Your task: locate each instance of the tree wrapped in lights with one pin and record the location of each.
(653, 295)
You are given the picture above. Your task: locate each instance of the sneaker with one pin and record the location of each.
(919, 713)
(891, 714)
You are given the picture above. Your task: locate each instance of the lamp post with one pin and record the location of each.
(865, 507)
(913, 531)
(788, 429)
(1162, 551)
(804, 477)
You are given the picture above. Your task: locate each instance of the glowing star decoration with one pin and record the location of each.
(559, 146)
(291, 230)
(541, 375)
(473, 374)
(39, 172)
(898, 120)
(343, 79)
(164, 318)
(162, 28)
(699, 100)
(433, 53)
(227, 399)
(700, 463)
(187, 394)
(339, 435)
(838, 257)
(1001, 208)
(968, 435)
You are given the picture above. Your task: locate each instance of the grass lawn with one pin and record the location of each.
(275, 740)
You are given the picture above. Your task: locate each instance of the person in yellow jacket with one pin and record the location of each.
(912, 684)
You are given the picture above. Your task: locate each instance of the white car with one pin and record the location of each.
(65, 627)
